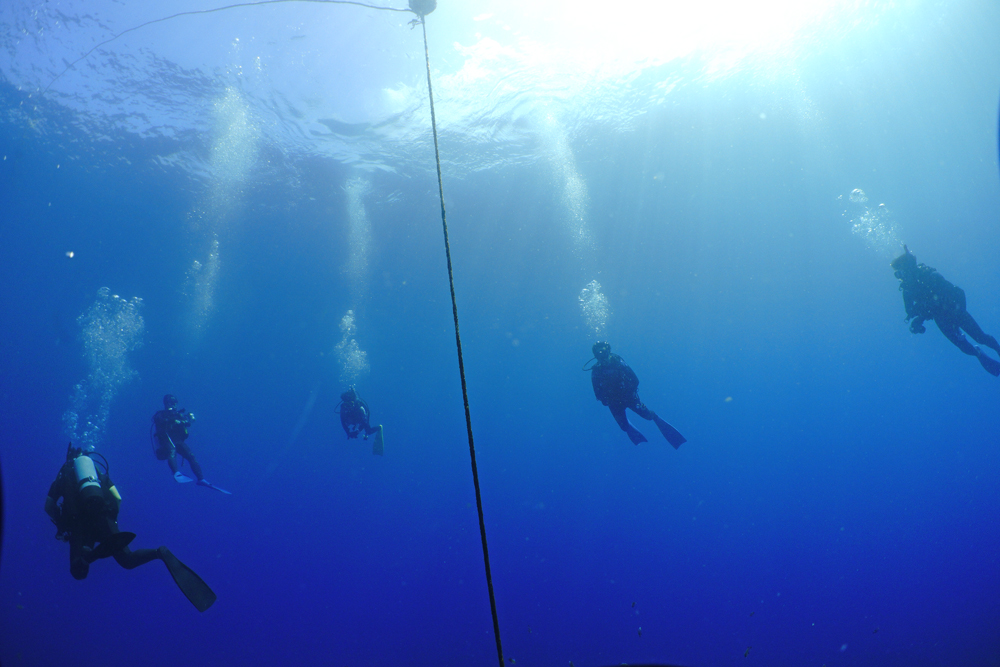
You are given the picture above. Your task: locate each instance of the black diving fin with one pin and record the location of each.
(191, 585)
(991, 365)
(635, 435)
(672, 435)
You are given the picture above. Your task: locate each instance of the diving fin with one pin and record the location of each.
(181, 478)
(991, 365)
(634, 435)
(111, 545)
(191, 585)
(202, 482)
(672, 435)
(379, 444)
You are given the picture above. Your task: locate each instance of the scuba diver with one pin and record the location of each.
(928, 296)
(616, 385)
(355, 416)
(168, 436)
(88, 516)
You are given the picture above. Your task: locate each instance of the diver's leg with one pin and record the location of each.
(976, 333)
(132, 559)
(111, 539)
(188, 455)
(640, 409)
(952, 333)
(172, 462)
(196, 468)
(950, 330)
(618, 411)
(79, 566)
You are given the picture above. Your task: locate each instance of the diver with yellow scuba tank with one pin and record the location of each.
(87, 518)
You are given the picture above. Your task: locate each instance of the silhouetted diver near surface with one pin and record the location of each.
(928, 296)
(616, 386)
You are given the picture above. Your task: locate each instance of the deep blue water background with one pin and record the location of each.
(841, 509)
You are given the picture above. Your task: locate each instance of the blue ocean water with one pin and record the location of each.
(240, 208)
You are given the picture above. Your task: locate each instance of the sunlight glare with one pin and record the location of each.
(596, 36)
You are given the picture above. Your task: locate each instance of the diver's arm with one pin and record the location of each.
(52, 509)
(108, 484)
(917, 325)
(597, 380)
(918, 304)
(55, 514)
(52, 500)
(118, 497)
(909, 303)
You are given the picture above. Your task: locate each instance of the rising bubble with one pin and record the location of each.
(875, 225)
(595, 307)
(199, 288)
(360, 235)
(110, 329)
(353, 360)
(573, 187)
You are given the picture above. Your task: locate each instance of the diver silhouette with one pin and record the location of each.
(169, 435)
(928, 296)
(355, 416)
(616, 386)
(87, 518)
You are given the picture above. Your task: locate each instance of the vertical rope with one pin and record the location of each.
(461, 361)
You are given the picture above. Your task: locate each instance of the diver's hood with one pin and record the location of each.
(905, 261)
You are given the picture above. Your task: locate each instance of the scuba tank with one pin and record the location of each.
(88, 484)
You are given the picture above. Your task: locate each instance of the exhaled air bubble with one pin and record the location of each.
(875, 226)
(595, 308)
(111, 328)
(353, 360)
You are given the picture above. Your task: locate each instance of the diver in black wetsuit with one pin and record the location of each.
(355, 416)
(616, 386)
(88, 516)
(928, 296)
(171, 431)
